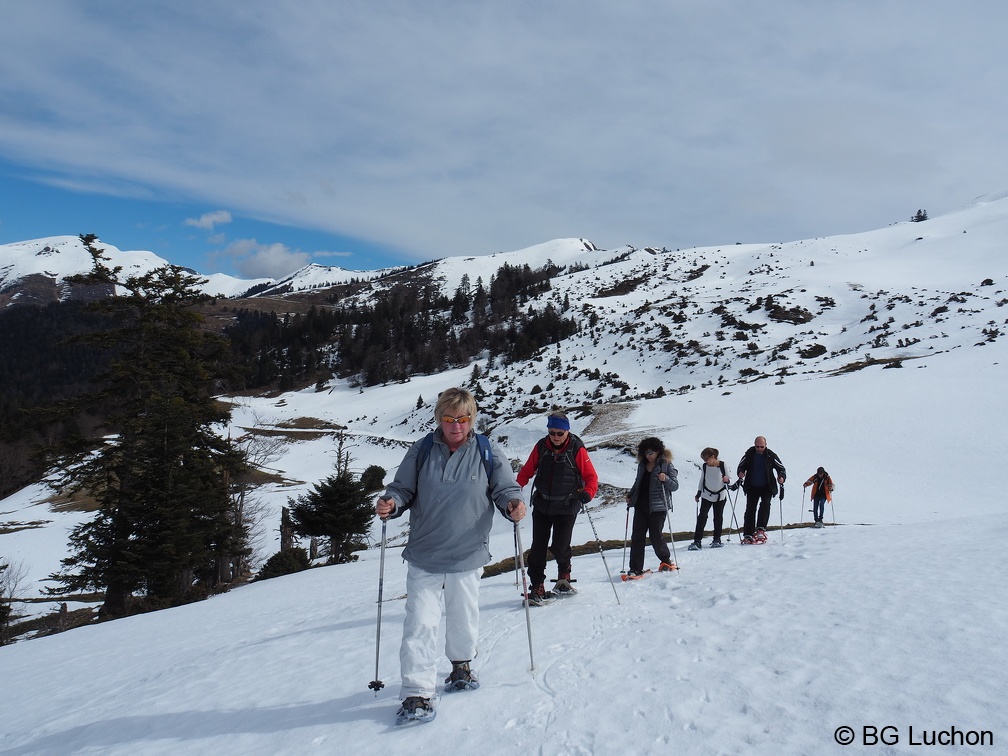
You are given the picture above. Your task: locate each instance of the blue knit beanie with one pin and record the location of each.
(560, 423)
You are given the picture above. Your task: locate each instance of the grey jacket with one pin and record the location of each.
(658, 498)
(451, 514)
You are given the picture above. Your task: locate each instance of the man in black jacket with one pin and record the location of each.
(759, 472)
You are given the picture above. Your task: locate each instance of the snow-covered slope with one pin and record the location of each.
(893, 619)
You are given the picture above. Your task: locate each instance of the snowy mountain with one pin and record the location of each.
(34, 271)
(893, 619)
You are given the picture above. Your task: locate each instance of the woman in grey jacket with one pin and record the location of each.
(443, 481)
(651, 497)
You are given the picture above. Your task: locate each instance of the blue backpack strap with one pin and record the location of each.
(426, 444)
(486, 454)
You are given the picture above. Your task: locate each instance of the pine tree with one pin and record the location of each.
(164, 522)
(337, 509)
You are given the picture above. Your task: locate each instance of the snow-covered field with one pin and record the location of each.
(896, 618)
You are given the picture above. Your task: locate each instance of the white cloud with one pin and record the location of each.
(479, 127)
(254, 260)
(208, 221)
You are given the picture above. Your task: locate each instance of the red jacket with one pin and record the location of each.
(584, 465)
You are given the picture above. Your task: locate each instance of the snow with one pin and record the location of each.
(894, 618)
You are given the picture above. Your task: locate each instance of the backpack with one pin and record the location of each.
(704, 479)
(569, 457)
(427, 443)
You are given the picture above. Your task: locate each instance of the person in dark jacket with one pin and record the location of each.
(564, 481)
(651, 497)
(759, 472)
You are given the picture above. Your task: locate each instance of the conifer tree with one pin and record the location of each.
(164, 521)
(337, 509)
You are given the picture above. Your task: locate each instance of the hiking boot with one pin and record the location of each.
(695, 546)
(716, 544)
(461, 677)
(668, 566)
(415, 707)
(748, 539)
(537, 595)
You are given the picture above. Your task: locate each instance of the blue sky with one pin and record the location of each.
(252, 138)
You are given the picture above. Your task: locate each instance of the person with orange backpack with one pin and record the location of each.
(822, 491)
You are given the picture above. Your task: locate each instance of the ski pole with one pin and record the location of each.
(668, 518)
(377, 684)
(516, 557)
(604, 562)
(781, 508)
(528, 619)
(626, 530)
(738, 530)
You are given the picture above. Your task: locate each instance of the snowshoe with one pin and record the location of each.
(562, 587)
(416, 709)
(716, 544)
(539, 596)
(634, 575)
(760, 536)
(461, 678)
(695, 546)
(748, 540)
(667, 567)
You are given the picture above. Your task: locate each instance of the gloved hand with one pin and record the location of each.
(585, 497)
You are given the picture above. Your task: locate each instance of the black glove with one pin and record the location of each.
(585, 497)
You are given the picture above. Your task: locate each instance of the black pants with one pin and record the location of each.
(754, 497)
(561, 527)
(701, 520)
(646, 522)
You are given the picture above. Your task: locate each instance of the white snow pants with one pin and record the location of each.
(418, 656)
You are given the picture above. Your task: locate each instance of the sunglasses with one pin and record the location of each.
(453, 420)
(650, 452)
(558, 434)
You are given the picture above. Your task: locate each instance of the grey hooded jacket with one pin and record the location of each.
(451, 514)
(658, 498)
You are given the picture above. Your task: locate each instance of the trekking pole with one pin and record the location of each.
(528, 619)
(516, 557)
(626, 530)
(738, 530)
(604, 562)
(781, 508)
(377, 684)
(668, 519)
(833, 511)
